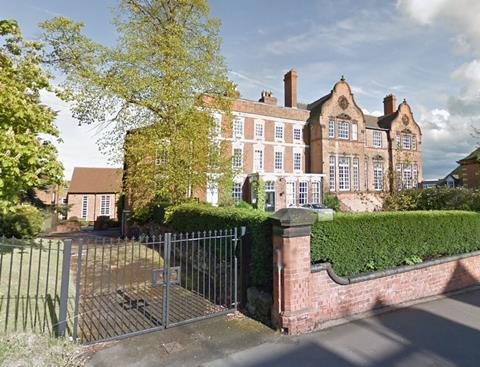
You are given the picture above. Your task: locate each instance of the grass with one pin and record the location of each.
(30, 286)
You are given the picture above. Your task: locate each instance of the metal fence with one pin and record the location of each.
(34, 282)
(102, 289)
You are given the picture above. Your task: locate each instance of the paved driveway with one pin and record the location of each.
(444, 332)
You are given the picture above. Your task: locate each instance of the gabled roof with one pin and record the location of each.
(473, 156)
(319, 102)
(87, 180)
(385, 122)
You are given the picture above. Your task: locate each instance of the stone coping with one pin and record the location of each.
(315, 268)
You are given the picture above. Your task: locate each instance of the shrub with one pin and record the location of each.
(331, 201)
(199, 217)
(25, 221)
(152, 213)
(438, 198)
(104, 222)
(356, 243)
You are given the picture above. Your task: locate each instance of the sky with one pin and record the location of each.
(426, 51)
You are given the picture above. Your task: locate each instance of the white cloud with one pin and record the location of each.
(424, 11)
(373, 113)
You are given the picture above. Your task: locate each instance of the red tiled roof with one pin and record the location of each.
(86, 180)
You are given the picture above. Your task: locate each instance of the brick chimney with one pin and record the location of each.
(267, 97)
(389, 105)
(290, 83)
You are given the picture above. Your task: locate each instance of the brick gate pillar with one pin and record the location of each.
(292, 298)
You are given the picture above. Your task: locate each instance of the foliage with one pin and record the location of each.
(331, 201)
(159, 82)
(104, 222)
(198, 217)
(438, 198)
(28, 157)
(153, 213)
(355, 243)
(23, 221)
(243, 205)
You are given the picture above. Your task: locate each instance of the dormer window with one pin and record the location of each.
(343, 130)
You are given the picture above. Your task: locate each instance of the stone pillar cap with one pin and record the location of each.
(294, 217)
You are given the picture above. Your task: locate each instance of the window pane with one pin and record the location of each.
(297, 161)
(237, 191)
(406, 141)
(278, 164)
(377, 139)
(378, 176)
(315, 187)
(259, 130)
(302, 194)
(279, 132)
(297, 134)
(356, 175)
(331, 129)
(344, 130)
(344, 174)
(258, 160)
(354, 132)
(238, 128)
(290, 194)
(332, 171)
(237, 160)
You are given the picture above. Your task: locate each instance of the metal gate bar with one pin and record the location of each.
(131, 286)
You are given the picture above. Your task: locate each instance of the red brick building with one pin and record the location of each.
(329, 145)
(470, 170)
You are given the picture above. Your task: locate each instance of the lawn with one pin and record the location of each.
(30, 280)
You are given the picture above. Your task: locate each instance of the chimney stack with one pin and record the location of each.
(267, 97)
(389, 105)
(290, 83)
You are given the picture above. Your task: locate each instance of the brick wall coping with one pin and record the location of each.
(384, 273)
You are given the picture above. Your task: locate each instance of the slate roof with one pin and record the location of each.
(319, 102)
(473, 156)
(87, 180)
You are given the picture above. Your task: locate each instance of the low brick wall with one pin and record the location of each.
(67, 227)
(335, 297)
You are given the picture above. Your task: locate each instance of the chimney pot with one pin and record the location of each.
(389, 105)
(290, 84)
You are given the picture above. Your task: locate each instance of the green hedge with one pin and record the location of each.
(357, 243)
(198, 217)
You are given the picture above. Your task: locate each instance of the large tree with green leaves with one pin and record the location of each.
(28, 159)
(160, 82)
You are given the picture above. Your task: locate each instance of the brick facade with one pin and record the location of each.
(377, 154)
(93, 206)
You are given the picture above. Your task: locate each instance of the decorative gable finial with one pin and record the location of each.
(342, 78)
(404, 101)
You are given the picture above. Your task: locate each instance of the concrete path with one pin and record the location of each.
(444, 332)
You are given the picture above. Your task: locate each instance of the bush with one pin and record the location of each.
(331, 201)
(356, 243)
(438, 198)
(25, 221)
(104, 222)
(200, 217)
(152, 213)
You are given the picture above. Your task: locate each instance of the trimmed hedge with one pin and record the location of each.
(357, 243)
(198, 217)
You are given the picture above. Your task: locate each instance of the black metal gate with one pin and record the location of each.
(127, 287)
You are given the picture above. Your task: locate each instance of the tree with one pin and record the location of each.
(28, 158)
(160, 83)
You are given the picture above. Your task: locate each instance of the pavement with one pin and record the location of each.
(442, 332)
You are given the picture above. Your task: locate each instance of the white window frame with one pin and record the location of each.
(302, 192)
(315, 190)
(276, 154)
(290, 194)
(234, 165)
(259, 127)
(343, 174)
(84, 212)
(343, 130)
(406, 138)
(332, 165)
(366, 173)
(297, 138)
(331, 129)
(377, 139)
(238, 127)
(399, 177)
(415, 174)
(105, 203)
(407, 176)
(279, 128)
(414, 142)
(398, 140)
(297, 154)
(258, 166)
(378, 176)
(356, 174)
(354, 131)
(237, 191)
